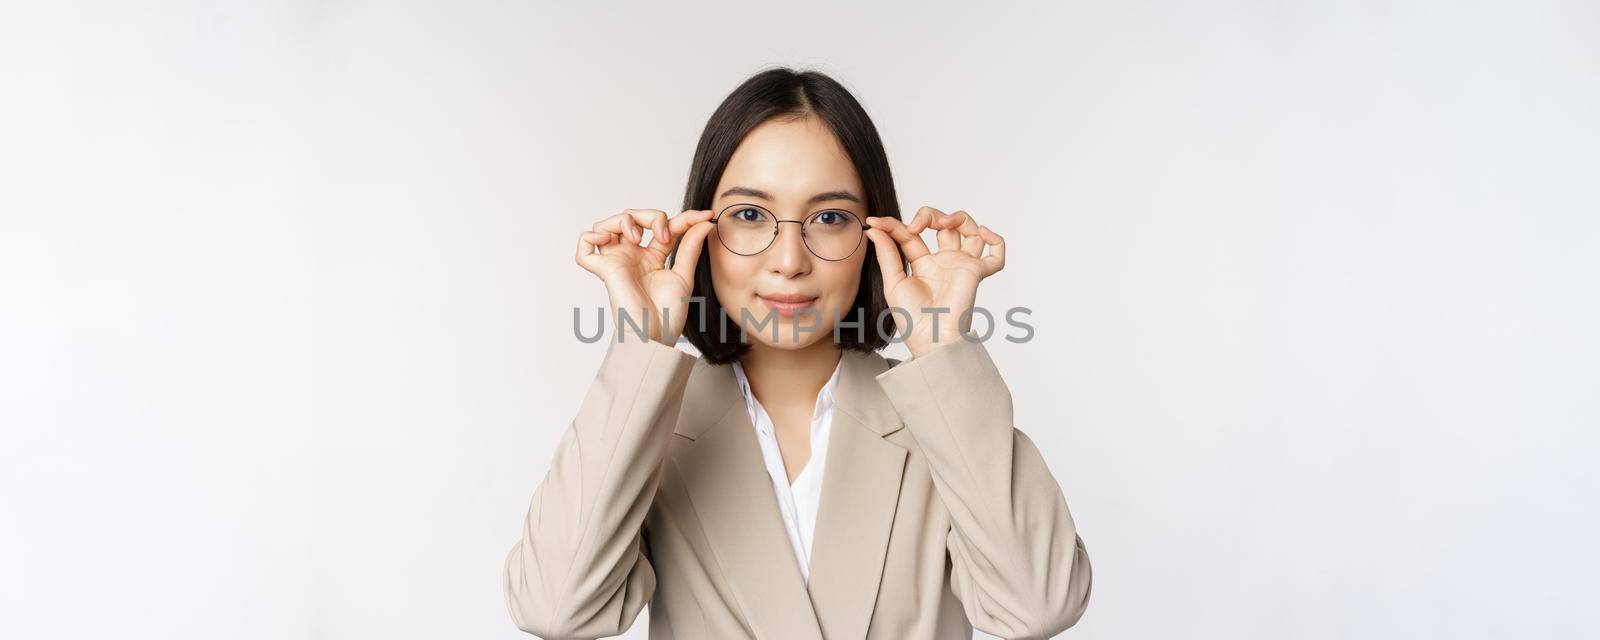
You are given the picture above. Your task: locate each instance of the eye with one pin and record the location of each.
(747, 214)
(831, 218)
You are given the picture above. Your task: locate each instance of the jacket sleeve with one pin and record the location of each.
(1017, 563)
(579, 570)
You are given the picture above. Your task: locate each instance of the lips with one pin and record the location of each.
(787, 304)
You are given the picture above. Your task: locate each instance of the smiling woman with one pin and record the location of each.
(784, 154)
(787, 166)
(783, 485)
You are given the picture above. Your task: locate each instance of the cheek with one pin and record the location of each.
(730, 276)
(843, 283)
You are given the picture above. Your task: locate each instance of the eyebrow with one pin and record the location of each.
(821, 197)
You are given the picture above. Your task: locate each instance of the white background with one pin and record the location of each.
(286, 292)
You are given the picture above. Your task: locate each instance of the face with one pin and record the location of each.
(796, 171)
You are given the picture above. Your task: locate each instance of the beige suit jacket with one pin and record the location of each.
(937, 515)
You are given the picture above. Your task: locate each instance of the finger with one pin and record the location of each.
(971, 240)
(660, 238)
(996, 260)
(911, 244)
(688, 254)
(653, 219)
(683, 221)
(621, 224)
(919, 222)
(602, 239)
(632, 229)
(632, 222)
(588, 241)
(675, 227)
(889, 261)
(946, 235)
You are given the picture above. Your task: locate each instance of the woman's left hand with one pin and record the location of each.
(943, 285)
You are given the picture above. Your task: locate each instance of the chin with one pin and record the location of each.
(787, 342)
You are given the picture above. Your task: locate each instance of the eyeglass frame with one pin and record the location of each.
(776, 229)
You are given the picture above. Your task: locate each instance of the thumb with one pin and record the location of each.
(688, 253)
(894, 271)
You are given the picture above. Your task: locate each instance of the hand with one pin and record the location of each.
(637, 279)
(946, 280)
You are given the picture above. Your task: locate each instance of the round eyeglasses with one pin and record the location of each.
(830, 234)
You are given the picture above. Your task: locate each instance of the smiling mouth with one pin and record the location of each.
(787, 308)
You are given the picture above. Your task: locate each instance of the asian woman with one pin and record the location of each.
(790, 481)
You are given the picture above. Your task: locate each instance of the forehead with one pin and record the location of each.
(792, 160)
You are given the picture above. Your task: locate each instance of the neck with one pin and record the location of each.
(789, 377)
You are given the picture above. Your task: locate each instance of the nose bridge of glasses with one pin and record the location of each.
(777, 233)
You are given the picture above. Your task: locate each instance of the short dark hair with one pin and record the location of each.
(776, 93)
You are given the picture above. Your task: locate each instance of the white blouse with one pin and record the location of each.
(798, 503)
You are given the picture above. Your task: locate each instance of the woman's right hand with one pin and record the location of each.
(637, 279)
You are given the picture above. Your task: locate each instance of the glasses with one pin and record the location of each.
(830, 234)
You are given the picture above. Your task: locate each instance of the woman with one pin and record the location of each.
(791, 482)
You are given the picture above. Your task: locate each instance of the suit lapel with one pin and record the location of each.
(731, 492)
(732, 495)
(860, 491)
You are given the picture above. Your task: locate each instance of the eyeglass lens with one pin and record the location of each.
(747, 229)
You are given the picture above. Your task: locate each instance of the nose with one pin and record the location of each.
(788, 256)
